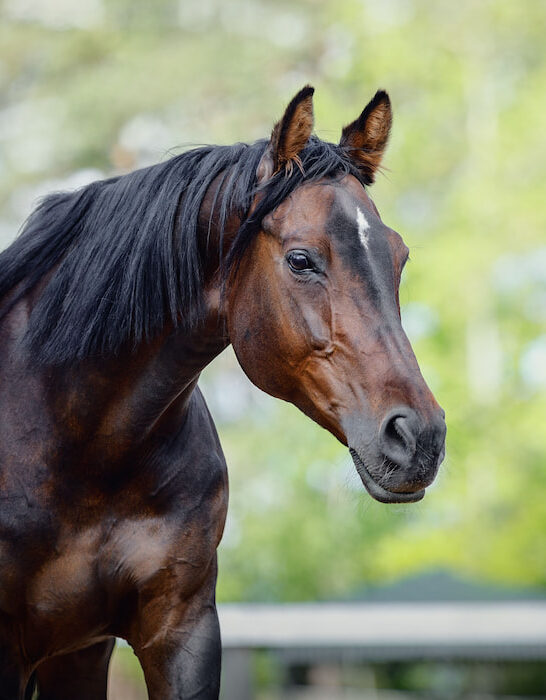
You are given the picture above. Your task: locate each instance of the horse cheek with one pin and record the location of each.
(261, 334)
(316, 322)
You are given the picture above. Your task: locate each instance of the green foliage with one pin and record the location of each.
(464, 184)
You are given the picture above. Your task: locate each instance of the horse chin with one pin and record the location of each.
(377, 491)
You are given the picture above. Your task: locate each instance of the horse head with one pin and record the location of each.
(313, 311)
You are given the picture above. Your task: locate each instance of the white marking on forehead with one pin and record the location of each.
(363, 226)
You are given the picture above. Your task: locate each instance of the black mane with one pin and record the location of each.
(126, 249)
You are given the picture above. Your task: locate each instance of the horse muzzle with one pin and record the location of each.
(399, 462)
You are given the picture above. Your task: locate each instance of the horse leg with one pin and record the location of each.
(12, 681)
(13, 674)
(189, 669)
(181, 656)
(81, 675)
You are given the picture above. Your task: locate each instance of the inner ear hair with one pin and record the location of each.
(366, 138)
(292, 132)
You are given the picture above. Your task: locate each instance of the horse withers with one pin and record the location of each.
(113, 484)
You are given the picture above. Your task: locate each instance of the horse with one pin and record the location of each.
(113, 299)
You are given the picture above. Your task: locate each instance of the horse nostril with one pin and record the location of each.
(398, 436)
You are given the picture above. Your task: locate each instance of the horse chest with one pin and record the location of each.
(94, 569)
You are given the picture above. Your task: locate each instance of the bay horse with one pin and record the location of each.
(113, 484)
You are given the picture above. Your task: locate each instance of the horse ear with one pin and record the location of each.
(289, 135)
(366, 138)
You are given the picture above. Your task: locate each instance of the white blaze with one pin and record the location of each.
(363, 226)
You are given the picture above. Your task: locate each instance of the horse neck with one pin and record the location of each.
(114, 406)
(150, 389)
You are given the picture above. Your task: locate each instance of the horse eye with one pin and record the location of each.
(299, 261)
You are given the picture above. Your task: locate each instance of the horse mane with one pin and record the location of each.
(122, 254)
